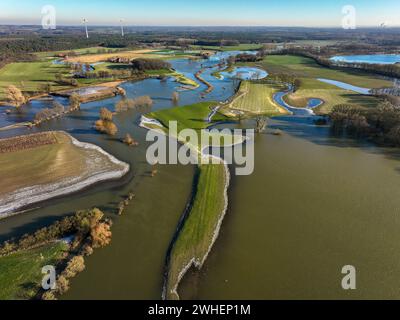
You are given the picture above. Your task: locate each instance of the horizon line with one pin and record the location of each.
(208, 26)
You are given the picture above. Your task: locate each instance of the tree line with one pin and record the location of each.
(382, 124)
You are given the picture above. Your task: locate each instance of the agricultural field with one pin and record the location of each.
(30, 76)
(132, 54)
(82, 51)
(35, 170)
(256, 98)
(308, 68)
(240, 47)
(331, 95)
(21, 272)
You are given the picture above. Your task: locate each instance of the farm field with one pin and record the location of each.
(21, 272)
(241, 47)
(255, 98)
(132, 54)
(30, 76)
(308, 68)
(331, 95)
(50, 168)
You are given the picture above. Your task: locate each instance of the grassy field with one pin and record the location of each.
(331, 95)
(29, 76)
(132, 54)
(21, 272)
(83, 51)
(46, 170)
(192, 116)
(195, 238)
(255, 98)
(308, 68)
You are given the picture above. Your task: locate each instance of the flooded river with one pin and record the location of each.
(314, 204)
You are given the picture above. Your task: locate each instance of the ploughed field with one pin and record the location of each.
(37, 166)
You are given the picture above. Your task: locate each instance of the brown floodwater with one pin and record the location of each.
(313, 205)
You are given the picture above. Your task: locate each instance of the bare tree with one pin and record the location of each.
(15, 96)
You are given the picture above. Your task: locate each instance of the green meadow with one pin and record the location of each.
(21, 272)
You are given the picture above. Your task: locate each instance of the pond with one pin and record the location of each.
(246, 73)
(346, 86)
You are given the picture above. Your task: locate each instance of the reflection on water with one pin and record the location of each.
(371, 58)
(346, 86)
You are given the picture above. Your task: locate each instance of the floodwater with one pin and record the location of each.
(314, 204)
(246, 73)
(346, 86)
(371, 58)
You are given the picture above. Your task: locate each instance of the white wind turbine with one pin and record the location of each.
(85, 21)
(122, 26)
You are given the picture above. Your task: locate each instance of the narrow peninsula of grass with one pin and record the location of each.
(201, 227)
(203, 219)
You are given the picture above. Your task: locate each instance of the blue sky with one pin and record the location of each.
(205, 12)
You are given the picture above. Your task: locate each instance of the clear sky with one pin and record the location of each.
(325, 13)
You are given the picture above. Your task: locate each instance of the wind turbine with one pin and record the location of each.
(85, 21)
(122, 26)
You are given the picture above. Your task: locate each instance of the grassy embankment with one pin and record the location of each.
(21, 272)
(201, 225)
(255, 98)
(307, 70)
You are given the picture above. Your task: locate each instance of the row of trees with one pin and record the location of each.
(82, 225)
(381, 123)
(57, 109)
(150, 64)
(139, 102)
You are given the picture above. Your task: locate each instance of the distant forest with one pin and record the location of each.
(17, 42)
